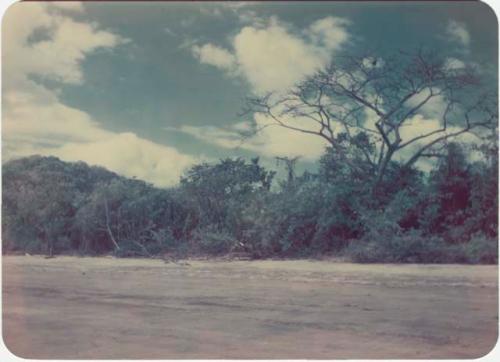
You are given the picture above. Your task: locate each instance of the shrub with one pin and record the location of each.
(415, 248)
(407, 248)
(162, 241)
(480, 249)
(214, 242)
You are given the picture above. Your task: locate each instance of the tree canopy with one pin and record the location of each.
(372, 111)
(369, 200)
(449, 215)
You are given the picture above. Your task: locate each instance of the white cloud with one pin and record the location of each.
(132, 156)
(458, 33)
(36, 113)
(242, 12)
(270, 140)
(35, 121)
(214, 55)
(425, 122)
(274, 57)
(58, 57)
(329, 31)
(453, 64)
(421, 125)
(250, 17)
(223, 137)
(274, 140)
(434, 107)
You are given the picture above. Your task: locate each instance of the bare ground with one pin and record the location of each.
(71, 307)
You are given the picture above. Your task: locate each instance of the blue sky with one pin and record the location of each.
(148, 89)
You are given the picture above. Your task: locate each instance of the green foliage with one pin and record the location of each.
(219, 193)
(405, 248)
(450, 183)
(214, 242)
(40, 198)
(448, 216)
(306, 217)
(414, 248)
(137, 216)
(480, 249)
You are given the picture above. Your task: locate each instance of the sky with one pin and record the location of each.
(149, 89)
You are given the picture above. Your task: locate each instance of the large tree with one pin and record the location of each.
(219, 191)
(402, 107)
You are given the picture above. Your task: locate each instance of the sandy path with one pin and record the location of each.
(130, 308)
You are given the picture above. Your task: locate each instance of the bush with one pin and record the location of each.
(162, 241)
(480, 249)
(214, 242)
(407, 248)
(307, 217)
(415, 248)
(448, 217)
(128, 249)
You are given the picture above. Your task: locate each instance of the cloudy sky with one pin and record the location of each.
(148, 89)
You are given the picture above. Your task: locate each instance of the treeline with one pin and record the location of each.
(237, 206)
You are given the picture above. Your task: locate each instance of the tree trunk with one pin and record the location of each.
(108, 228)
(51, 248)
(49, 242)
(382, 170)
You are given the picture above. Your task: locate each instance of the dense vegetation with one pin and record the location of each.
(449, 215)
(368, 200)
